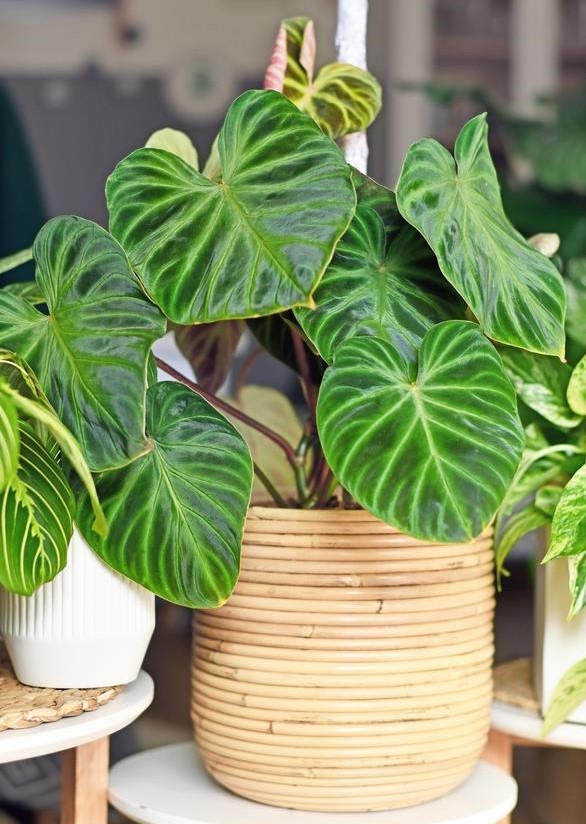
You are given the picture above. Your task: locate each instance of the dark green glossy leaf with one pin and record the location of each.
(341, 98)
(429, 448)
(542, 383)
(36, 519)
(90, 352)
(176, 514)
(209, 349)
(383, 280)
(568, 695)
(253, 243)
(568, 529)
(516, 293)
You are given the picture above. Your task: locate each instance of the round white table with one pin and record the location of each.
(169, 785)
(525, 726)
(84, 741)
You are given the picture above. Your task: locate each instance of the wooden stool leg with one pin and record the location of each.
(499, 751)
(84, 795)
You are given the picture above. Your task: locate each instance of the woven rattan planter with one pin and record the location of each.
(351, 668)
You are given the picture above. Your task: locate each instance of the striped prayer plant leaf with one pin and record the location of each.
(20, 387)
(542, 383)
(36, 519)
(90, 351)
(383, 280)
(341, 98)
(253, 242)
(516, 293)
(9, 441)
(428, 447)
(176, 514)
(568, 695)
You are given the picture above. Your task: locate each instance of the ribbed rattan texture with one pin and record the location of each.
(351, 668)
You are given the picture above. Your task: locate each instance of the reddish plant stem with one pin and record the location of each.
(306, 379)
(233, 411)
(247, 365)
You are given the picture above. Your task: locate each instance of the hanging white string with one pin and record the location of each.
(351, 48)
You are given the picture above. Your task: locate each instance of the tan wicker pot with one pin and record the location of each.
(351, 668)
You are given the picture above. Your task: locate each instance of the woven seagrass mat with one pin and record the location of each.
(513, 684)
(22, 706)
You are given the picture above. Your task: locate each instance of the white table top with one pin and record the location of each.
(526, 724)
(169, 785)
(71, 732)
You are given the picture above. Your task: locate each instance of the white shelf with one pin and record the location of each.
(169, 785)
(527, 725)
(72, 732)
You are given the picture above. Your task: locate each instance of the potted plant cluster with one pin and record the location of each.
(548, 492)
(351, 668)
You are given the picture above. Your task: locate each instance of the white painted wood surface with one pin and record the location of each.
(525, 724)
(169, 785)
(72, 732)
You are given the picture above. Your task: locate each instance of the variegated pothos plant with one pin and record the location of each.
(391, 307)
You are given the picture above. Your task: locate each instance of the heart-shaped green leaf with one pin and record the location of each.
(176, 515)
(90, 352)
(575, 282)
(255, 242)
(516, 292)
(36, 519)
(209, 349)
(383, 280)
(541, 383)
(568, 528)
(429, 448)
(341, 98)
(577, 387)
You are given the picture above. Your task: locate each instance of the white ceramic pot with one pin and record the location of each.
(89, 627)
(559, 643)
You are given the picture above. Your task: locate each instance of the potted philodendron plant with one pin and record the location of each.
(351, 668)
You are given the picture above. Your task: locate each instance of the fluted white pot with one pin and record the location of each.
(89, 627)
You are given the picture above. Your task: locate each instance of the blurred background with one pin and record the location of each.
(84, 82)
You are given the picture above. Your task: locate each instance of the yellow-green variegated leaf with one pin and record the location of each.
(90, 350)
(176, 142)
(36, 519)
(520, 524)
(9, 441)
(516, 293)
(341, 98)
(568, 695)
(429, 447)
(542, 383)
(577, 581)
(176, 515)
(383, 280)
(577, 387)
(254, 242)
(568, 528)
